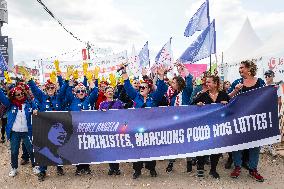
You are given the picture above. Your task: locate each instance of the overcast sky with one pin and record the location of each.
(119, 24)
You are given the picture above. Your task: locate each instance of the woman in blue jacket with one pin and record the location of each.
(78, 102)
(19, 126)
(48, 100)
(145, 98)
(182, 89)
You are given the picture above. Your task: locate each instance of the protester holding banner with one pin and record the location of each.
(49, 100)
(215, 94)
(19, 125)
(111, 103)
(145, 98)
(182, 90)
(248, 82)
(81, 101)
(200, 88)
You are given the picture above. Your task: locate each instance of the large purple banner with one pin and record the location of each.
(249, 120)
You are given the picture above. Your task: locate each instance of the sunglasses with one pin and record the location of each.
(143, 87)
(20, 94)
(80, 91)
(47, 88)
(268, 76)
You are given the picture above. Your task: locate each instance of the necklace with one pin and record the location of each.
(211, 94)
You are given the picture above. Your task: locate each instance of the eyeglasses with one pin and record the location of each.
(47, 88)
(81, 91)
(20, 94)
(143, 87)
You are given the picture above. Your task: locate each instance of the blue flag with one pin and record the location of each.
(202, 47)
(199, 21)
(3, 65)
(143, 56)
(165, 57)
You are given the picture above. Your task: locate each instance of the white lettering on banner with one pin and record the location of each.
(248, 123)
(252, 123)
(160, 138)
(104, 141)
(198, 133)
(222, 129)
(97, 127)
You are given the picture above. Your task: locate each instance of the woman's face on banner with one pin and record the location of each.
(57, 135)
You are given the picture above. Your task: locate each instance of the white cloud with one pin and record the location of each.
(35, 34)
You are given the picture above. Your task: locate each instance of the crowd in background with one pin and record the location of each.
(26, 97)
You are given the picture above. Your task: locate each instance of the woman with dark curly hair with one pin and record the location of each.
(182, 89)
(248, 82)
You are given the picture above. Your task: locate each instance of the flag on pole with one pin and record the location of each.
(143, 56)
(165, 55)
(3, 65)
(199, 21)
(202, 47)
(133, 66)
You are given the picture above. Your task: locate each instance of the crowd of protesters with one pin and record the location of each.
(26, 97)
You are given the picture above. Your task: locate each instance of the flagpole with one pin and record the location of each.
(210, 64)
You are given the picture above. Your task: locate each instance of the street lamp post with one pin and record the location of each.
(3, 14)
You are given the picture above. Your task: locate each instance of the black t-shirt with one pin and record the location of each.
(206, 99)
(257, 85)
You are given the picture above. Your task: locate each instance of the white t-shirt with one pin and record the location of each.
(20, 124)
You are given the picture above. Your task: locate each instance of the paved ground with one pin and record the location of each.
(271, 168)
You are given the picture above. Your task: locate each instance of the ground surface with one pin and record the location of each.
(271, 168)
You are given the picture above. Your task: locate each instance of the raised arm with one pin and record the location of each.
(38, 94)
(60, 80)
(130, 91)
(161, 85)
(4, 99)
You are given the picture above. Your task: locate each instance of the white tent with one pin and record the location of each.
(243, 47)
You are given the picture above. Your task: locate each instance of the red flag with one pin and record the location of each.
(84, 54)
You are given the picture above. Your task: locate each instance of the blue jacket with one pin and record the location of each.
(12, 113)
(153, 98)
(45, 102)
(77, 104)
(60, 80)
(186, 93)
